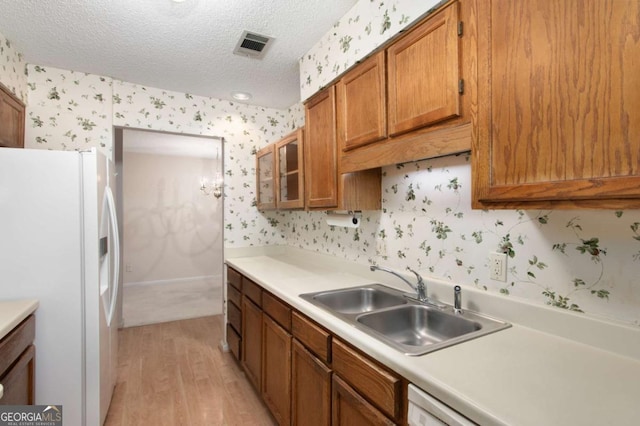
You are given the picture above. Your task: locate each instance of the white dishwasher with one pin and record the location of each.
(425, 410)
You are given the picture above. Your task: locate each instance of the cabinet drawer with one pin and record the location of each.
(234, 342)
(380, 386)
(252, 290)
(315, 338)
(13, 344)
(234, 317)
(19, 380)
(233, 295)
(350, 408)
(234, 278)
(277, 309)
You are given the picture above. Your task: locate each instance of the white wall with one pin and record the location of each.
(171, 229)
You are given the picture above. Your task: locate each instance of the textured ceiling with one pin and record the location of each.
(185, 47)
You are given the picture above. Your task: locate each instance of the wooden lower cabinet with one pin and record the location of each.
(276, 371)
(310, 389)
(17, 364)
(305, 374)
(383, 388)
(252, 342)
(351, 409)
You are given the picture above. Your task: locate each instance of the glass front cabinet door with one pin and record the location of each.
(289, 168)
(266, 182)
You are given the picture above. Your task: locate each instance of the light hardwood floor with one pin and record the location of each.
(173, 301)
(174, 373)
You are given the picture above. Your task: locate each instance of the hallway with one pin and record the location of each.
(174, 373)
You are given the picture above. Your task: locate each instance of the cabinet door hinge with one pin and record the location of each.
(461, 86)
(460, 29)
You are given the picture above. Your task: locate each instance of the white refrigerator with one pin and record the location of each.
(59, 244)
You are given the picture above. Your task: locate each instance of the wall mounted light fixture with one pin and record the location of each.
(216, 186)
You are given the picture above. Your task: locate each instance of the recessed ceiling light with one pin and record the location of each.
(241, 96)
(178, 1)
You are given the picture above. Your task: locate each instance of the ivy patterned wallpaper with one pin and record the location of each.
(68, 110)
(366, 26)
(72, 110)
(582, 260)
(12, 69)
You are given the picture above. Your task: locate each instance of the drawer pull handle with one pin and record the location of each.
(1, 391)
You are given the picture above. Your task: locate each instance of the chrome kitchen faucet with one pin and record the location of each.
(420, 288)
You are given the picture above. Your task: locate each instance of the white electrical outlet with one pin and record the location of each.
(381, 247)
(128, 268)
(498, 266)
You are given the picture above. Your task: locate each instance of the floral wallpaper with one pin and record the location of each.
(68, 110)
(72, 110)
(366, 26)
(13, 69)
(582, 260)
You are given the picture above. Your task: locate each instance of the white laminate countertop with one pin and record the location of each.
(12, 312)
(517, 376)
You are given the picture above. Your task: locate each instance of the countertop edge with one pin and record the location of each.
(13, 312)
(314, 272)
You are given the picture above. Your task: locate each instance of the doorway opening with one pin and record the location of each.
(171, 224)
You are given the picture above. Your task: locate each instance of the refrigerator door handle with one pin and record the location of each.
(116, 258)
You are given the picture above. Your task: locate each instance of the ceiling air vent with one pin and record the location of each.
(252, 45)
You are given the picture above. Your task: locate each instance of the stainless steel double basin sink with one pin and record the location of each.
(404, 323)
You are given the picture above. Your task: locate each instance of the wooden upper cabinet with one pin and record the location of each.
(429, 94)
(320, 151)
(424, 73)
(559, 120)
(290, 171)
(361, 97)
(12, 116)
(265, 178)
